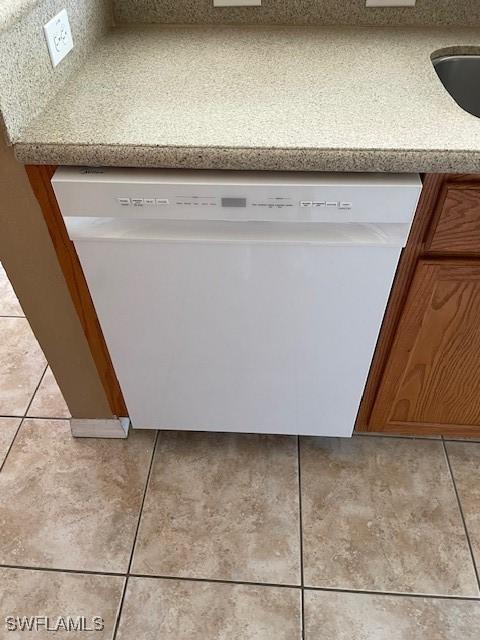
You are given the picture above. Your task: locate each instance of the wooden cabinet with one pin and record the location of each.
(456, 227)
(425, 378)
(432, 377)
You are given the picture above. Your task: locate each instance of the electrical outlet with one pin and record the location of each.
(237, 3)
(59, 37)
(390, 3)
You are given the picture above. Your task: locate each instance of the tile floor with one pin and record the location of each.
(177, 536)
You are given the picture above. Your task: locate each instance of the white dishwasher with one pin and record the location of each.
(235, 300)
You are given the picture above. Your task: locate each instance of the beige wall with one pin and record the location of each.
(29, 258)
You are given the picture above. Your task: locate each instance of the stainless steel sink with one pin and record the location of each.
(460, 75)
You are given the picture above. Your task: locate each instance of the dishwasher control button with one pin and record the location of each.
(305, 203)
(149, 201)
(125, 202)
(319, 203)
(332, 204)
(137, 202)
(345, 205)
(161, 201)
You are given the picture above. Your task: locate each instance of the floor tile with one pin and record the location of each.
(185, 610)
(9, 305)
(48, 401)
(8, 429)
(22, 364)
(222, 506)
(381, 514)
(360, 616)
(25, 593)
(465, 463)
(71, 503)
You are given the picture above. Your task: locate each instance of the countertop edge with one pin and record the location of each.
(239, 158)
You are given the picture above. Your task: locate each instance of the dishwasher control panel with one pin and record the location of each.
(237, 195)
(196, 201)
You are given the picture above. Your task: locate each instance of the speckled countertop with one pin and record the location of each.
(11, 10)
(300, 98)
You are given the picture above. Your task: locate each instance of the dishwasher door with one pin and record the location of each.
(245, 327)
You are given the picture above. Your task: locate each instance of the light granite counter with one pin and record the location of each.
(299, 98)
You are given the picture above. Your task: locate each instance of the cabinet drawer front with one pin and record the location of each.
(456, 227)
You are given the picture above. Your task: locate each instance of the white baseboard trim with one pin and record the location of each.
(101, 428)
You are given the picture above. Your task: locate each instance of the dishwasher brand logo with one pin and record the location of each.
(89, 170)
(54, 624)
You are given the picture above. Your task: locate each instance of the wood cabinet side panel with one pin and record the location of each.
(456, 226)
(40, 176)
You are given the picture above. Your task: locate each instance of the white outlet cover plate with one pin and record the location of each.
(390, 3)
(59, 37)
(237, 3)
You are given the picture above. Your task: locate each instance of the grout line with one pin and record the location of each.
(395, 436)
(35, 417)
(216, 581)
(147, 482)
(47, 418)
(120, 608)
(466, 440)
(434, 438)
(462, 515)
(302, 580)
(474, 440)
(398, 594)
(10, 316)
(36, 389)
(119, 574)
(22, 418)
(87, 572)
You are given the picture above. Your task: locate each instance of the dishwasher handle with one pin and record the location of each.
(325, 233)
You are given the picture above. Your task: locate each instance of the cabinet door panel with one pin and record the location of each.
(432, 378)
